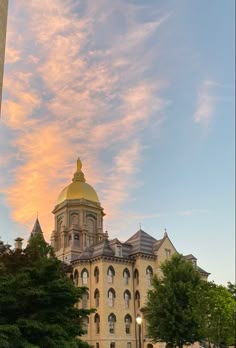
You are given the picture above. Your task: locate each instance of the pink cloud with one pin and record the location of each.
(205, 104)
(70, 99)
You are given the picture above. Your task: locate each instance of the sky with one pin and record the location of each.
(143, 92)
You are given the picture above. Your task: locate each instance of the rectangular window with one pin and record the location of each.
(129, 345)
(168, 253)
(118, 251)
(111, 327)
(127, 329)
(112, 345)
(84, 301)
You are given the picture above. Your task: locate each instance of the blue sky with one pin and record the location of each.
(143, 92)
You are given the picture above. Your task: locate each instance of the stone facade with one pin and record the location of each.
(117, 274)
(3, 25)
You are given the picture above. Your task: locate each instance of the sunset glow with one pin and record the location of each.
(133, 90)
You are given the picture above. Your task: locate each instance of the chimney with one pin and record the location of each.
(18, 243)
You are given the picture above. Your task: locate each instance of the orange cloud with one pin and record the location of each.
(67, 98)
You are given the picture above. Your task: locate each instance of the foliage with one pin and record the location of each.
(173, 308)
(37, 300)
(218, 319)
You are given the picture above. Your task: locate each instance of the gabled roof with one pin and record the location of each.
(200, 270)
(99, 249)
(190, 257)
(115, 241)
(141, 242)
(159, 242)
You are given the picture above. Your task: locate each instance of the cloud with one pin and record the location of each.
(191, 212)
(12, 55)
(205, 104)
(72, 91)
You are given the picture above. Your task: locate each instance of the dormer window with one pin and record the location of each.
(118, 250)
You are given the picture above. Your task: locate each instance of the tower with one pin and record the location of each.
(78, 218)
(3, 26)
(36, 229)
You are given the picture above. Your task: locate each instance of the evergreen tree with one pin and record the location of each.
(37, 300)
(174, 307)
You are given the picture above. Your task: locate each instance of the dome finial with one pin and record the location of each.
(79, 175)
(79, 165)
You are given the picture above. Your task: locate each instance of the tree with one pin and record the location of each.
(37, 300)
(173, 308)
(219, 320)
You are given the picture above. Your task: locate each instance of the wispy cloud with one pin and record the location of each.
(205, 104)
(191, 212)
(75, 87)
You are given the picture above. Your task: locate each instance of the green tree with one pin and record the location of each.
(219, 315)
(37, 300)
(173, 308)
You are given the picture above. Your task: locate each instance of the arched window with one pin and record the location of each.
(96, 296)
(111, 297)
(84, 275)
(112, 345)
(96, 274)
(149, 345)
(76, 239)
(60, 225)
(110, 274)
(149, 274)
(126, 276)
(85, 322)
(97, 345)
(111, 322)
(76, 277)
(128, 321)
(97, 323)
(137, 299)
(136, 277)
(91, 225)
(85, 297)
(74, 218)
(127, 297)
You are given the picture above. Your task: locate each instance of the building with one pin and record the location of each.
(3, 26)
(117, 274)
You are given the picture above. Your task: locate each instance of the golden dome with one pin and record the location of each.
(78, 188)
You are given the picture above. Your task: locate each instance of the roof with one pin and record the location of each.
(37, 228)
(141, 242)
(78, 189)
(190, 257)
(200, 270)
(99, 249)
